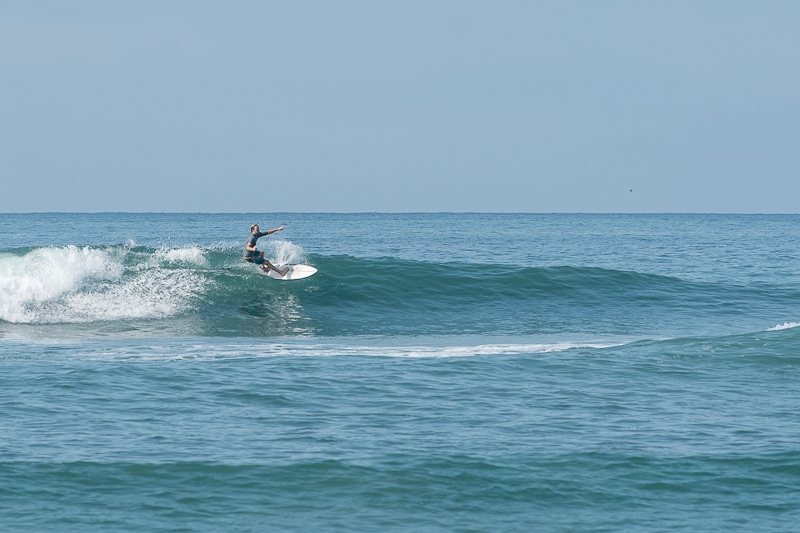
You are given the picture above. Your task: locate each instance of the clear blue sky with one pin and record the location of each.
(400, 106)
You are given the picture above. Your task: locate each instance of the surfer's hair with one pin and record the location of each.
(254, 226)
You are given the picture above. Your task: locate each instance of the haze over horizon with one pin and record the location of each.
(410, 107)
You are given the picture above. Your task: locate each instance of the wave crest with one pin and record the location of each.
(192, 255)
(785, 325)
(73, 284)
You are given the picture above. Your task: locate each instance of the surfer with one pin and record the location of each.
(252, 255)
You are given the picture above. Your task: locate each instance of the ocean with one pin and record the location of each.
(441, 372)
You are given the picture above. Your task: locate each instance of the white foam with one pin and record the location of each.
(72, 284)
(190, 255)
(151, 294)
(450, 351)
(284, 252)
(785, 325)
(249, 350)
(46, 274)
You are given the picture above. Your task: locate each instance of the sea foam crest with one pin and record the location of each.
(459, 351)
(46, 274)
(284, 252)
(73, 284)
(164, 350)
(155, 293)
(785, 325)
(336, 350)
(192, 255)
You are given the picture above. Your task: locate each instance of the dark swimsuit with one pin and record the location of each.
(254, 257)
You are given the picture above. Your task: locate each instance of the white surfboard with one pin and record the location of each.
(295, 272)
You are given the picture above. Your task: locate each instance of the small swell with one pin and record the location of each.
(785, 325)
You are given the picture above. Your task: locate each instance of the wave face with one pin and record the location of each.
(211, 291)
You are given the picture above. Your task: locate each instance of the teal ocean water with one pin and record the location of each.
(441, 372)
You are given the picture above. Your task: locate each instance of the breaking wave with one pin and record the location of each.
(211, 291)
(73, 284)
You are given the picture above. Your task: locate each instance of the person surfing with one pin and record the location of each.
(252, 255)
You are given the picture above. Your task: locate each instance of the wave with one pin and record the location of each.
(211, 291)
(72, 284)
(785, 325)
(760, 348)
(245, 349)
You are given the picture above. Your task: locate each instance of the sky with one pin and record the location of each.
(406, 106)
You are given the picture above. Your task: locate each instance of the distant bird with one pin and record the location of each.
(631, 190)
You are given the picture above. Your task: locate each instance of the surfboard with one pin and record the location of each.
(295, 272)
